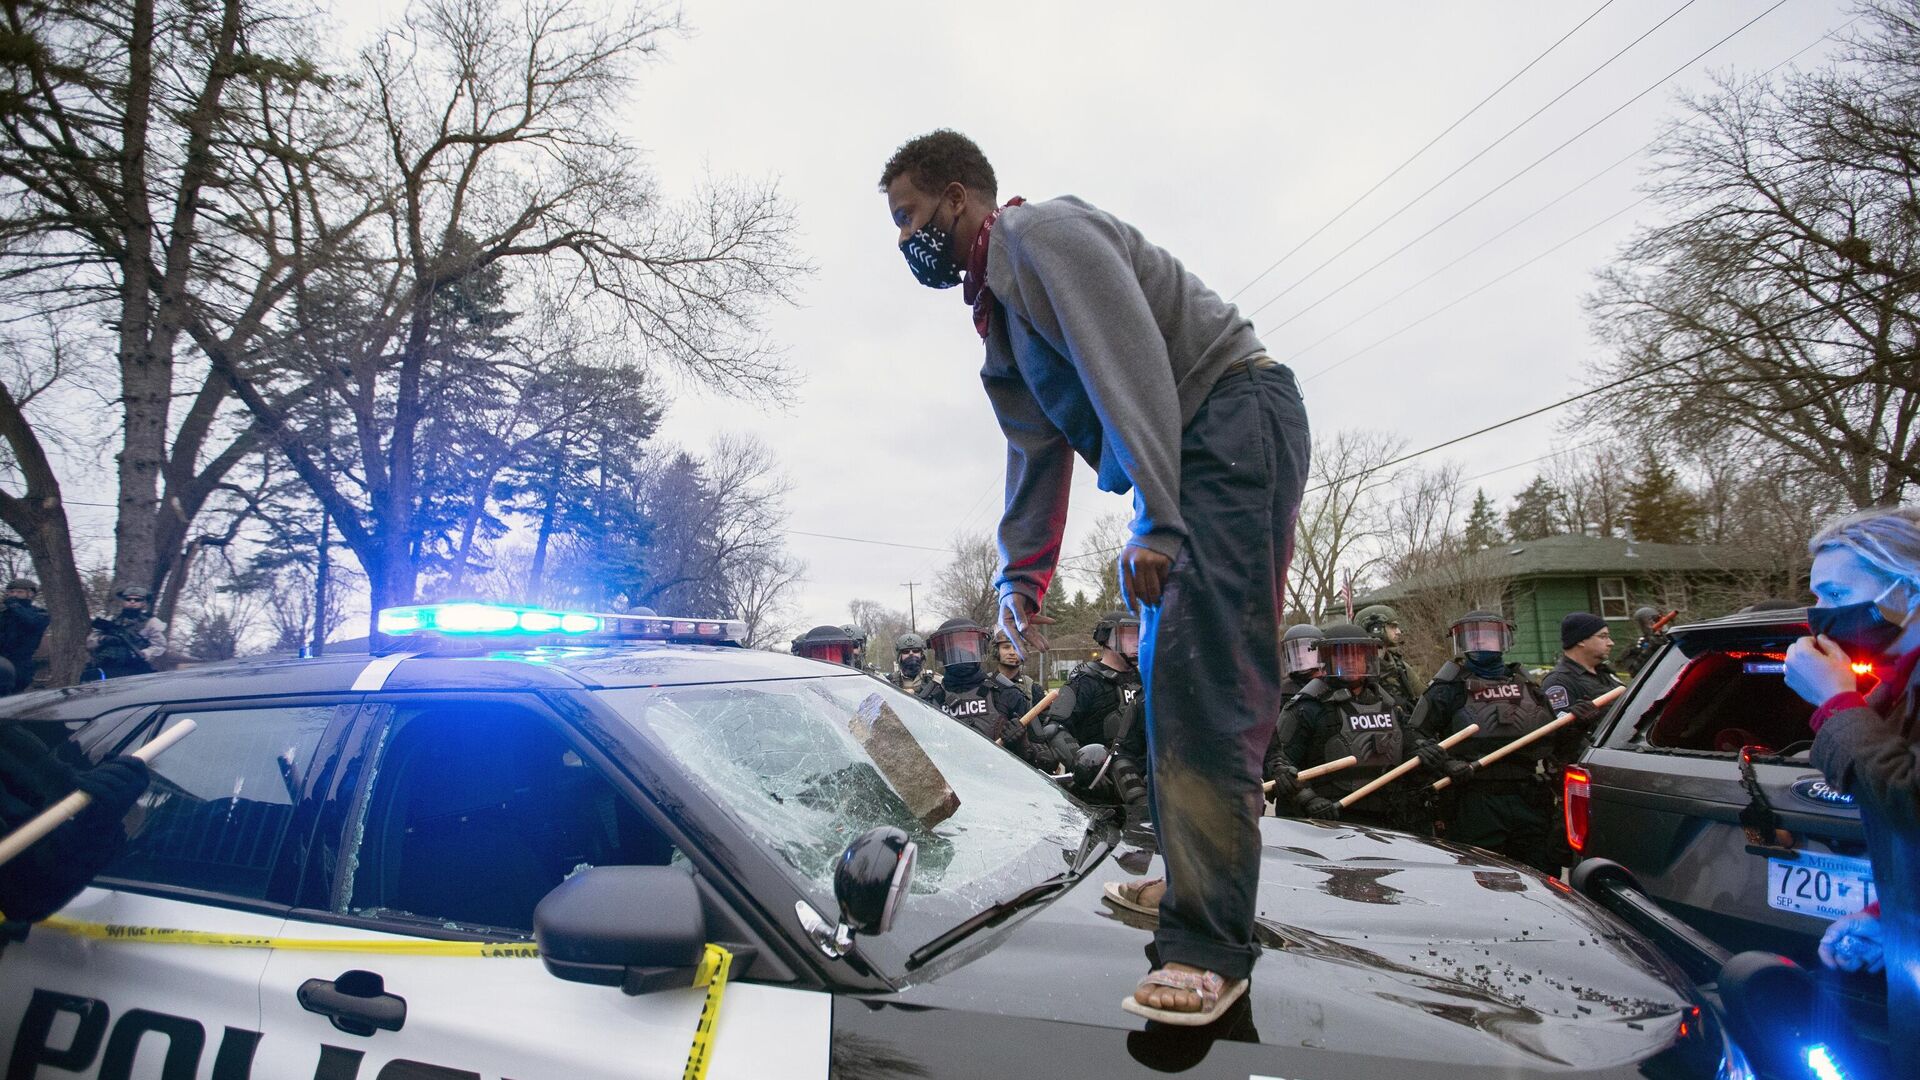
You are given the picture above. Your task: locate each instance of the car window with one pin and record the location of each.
(476, 813)
(1718, 702)
(217, 815)
(781, 758)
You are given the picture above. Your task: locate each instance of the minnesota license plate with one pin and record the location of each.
(1824, 886)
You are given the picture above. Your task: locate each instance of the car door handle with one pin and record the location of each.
(357, 1002)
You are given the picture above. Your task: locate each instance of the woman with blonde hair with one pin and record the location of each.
(1866, 584)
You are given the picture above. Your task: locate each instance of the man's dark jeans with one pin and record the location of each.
(1210, 659)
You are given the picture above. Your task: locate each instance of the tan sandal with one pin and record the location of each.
(1217, 994)
(1130, 895)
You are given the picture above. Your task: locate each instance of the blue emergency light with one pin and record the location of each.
(1821, 1064)
(472, 619)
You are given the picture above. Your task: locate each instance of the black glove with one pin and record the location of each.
(1321, 808)
(1586, 713)
(1286, 785)
(1436, 759)
(1087, 763)
(115, 783)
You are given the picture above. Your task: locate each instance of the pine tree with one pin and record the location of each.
(1659, 508)
(1483, 523)
(1537, 511)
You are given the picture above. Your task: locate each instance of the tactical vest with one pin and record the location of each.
(1101, 697)
(1505, 709)
(1364, 726)
(975, 708)
(114, 650)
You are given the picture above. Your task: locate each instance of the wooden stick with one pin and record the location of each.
(56, 815)
(1319, 771)
(1536, 734)
(1039, 707)
(1406, 767)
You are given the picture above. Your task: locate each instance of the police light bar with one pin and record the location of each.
(469, 619)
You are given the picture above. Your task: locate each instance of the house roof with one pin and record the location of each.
(1572, 556)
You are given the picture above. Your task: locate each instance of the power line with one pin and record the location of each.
(1617, 110)
(867, 540)
(1435, 186)
(1417, 153)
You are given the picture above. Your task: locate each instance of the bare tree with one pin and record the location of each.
(1340, 521)
(963, 588)
(1777, 311)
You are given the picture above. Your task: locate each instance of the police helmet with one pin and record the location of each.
(909, 641)
(1347, 652)
(1481, 631)
(1376, 617)
(28, 584)
(1126, 641)
(135, 592)
(1644, 617)
(1300, 647)
(959, 641)
(830, 643)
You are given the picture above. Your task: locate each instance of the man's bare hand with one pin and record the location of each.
(1022, 622)
(1143, 576)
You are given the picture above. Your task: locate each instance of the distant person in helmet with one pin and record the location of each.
(1100, 707)
(829, 643)
(131, 642)
(987, 702)
(1396, 677)
(1345, 713)
(1300, 660)
(1007, 661)
(22, 624)
(1651, 638)
(1510, 806)
(910, 671)
(859, 639)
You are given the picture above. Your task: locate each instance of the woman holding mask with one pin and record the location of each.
(1866, 581)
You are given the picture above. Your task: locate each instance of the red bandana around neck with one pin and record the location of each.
(974, 287)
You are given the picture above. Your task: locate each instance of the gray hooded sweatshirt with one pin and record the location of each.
(1102, 344)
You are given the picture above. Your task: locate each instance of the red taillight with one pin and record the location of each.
(1579, 800)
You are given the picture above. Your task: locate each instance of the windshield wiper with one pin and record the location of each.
(1095, 843)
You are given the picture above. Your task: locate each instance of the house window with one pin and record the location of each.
(1613, 598)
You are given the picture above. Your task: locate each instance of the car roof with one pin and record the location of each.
(1754, 629)
(568, 667)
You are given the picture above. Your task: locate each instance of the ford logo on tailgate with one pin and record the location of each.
(1815, 789)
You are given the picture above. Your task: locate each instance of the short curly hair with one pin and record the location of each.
(938, 158)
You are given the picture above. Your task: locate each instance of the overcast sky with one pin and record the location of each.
(1229, 133)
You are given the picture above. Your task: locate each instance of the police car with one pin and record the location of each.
(531, 843)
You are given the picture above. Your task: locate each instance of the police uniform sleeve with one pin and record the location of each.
(1434, 714)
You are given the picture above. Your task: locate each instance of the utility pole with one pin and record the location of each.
(913, 621)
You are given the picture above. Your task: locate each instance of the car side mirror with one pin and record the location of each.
(869, 883)
(640, 928)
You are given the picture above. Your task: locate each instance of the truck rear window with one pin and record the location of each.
(1718, 702)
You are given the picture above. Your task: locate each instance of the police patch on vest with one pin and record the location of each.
(1558, 697)
(1497, 692)
(1371, 721)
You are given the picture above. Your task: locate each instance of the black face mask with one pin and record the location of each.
(929, 253)
(963, 677)
(1860, 629)
(1487, 665)
(910, 665)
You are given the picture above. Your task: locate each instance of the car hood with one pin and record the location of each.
(1376, 945)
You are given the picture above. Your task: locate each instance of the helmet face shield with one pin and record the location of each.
(1348, 660)
(833, 652)
(960, 645)
(1301, 654)
(1125, 640)
(1482, 635)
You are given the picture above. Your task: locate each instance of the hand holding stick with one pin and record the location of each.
(1034, 713)
(1406, 767)
(1318, 771)
(1535, 735)
(56, 815)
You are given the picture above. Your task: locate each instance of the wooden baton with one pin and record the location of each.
(1033, 714)
(1318, 771)
(1535, 735)
(56, 815)
(1406, 767)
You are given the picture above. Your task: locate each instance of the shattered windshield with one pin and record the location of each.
(804, 766)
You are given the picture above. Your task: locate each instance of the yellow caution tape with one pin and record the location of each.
(716, 963)
(714, 967)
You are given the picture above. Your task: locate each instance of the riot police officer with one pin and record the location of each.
(829, 643)
(859, 638)
(1300, 660)
(1100, 707)
(1344, 712)
(131, 642)
(910, 671)
(1509, 806)
(1396, 678)
(22, 624)
(989, 703)
(1651, 638)
(1007, 662)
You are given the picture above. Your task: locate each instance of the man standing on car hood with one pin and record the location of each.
(1102, 344)
(1866, 581)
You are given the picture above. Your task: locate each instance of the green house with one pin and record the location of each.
(1535, 583)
